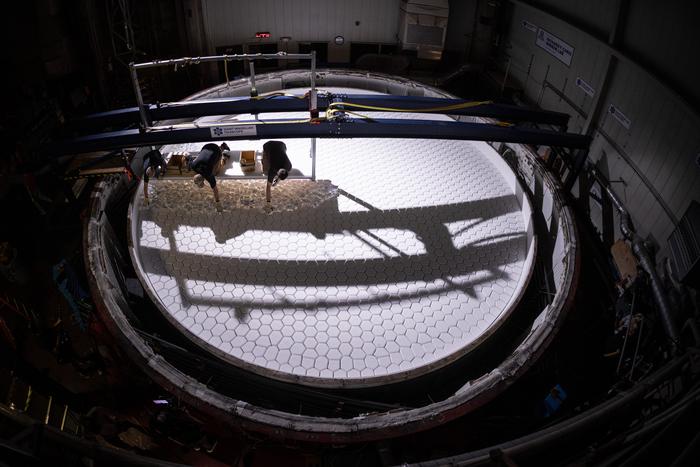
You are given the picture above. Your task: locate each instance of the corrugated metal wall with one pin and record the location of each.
(663, 140)
(229, 22)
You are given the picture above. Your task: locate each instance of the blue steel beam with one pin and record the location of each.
(245, 105)
(352, 128)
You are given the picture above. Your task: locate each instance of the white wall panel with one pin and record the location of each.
(663, 138)
(229, 22)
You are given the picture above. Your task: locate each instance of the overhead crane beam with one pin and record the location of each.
(347, 128)
(285, 103)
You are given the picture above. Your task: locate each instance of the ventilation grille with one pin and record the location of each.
(684, 244)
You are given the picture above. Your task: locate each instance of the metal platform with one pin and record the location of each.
(403, 257)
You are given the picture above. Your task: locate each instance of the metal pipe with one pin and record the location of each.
(313, 102)
(139, 98)
(313, 70)
(219, 58)
(644, 258)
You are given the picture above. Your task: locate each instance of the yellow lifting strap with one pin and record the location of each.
(464, 105)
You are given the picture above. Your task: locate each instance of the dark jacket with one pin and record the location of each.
(205, 163)
(277, 151)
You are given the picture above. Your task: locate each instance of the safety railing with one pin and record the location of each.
(250, 58)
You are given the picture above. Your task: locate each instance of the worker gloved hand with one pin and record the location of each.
(219, 208)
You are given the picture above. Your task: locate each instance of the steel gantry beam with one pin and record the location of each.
(348, 128)
(284, 103)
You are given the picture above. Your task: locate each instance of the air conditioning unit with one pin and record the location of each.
(423, 26)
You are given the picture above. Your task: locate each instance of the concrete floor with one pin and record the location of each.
(399, 260)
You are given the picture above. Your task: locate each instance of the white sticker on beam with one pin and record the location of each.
(233, 131)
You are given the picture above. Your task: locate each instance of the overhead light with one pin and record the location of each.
(339, 40)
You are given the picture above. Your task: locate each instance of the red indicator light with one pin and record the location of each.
(262, 35)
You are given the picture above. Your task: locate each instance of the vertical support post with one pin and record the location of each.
(313, 70)
(575, 170)
(313, 159)
(253, 89)
(313, 109)
(313, 104)
(139, 98)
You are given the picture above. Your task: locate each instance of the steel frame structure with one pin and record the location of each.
(134, 67)
(337, 124)
(245, 105)
(144, 113)
(346, 128)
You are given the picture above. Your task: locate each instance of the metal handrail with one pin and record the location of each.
(222, 58)
(133, 67)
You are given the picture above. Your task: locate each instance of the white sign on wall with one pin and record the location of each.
(555, 46)
(529, 26)
(619, 116)
(587, 88)
(235, 130)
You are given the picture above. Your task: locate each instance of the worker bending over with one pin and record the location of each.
(207, 164)
(276, 164)
(153, 166)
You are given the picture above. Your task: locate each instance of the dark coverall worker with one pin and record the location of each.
(153, 166)
(276, 164)
(206, 165)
